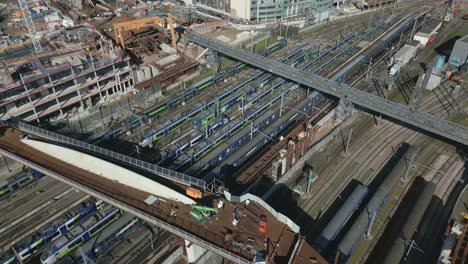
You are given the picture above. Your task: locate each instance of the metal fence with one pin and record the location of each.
(143, 165)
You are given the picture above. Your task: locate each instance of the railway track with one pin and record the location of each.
(360, 160)
(14, 210)
(46, 205)
(205, 96)
(26, 194)
(331, 57)
(397, 135)
(436, 149)
(440, 146)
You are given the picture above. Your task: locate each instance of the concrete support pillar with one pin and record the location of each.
(344, 110)
(292, 152)
(274, 171)
(216, 61)
(94, 66)
(76, 84)
(56, 97)
(283, 165)
(194, 252)
(29, 97)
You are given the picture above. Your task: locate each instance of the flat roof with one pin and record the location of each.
(281, 239)
(464, 39)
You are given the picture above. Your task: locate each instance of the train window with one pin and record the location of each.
(193, 114)
(56, 235)
(25, 179)
(76, 243)
(96, 228)
(24, 254)
(70, 225)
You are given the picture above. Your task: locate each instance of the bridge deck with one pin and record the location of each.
(281, 239)
(403, 113)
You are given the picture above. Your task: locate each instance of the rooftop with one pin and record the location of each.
(431, 26)
(279, 242)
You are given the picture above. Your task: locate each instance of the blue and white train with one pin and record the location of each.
(15, 183)
(78, 235)
(31, 245)
(195, 89)
(161, 131)
(108, 238)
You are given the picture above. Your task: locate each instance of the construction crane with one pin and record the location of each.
(30, 25)
(121, 27)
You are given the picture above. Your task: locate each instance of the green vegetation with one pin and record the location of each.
(460, 118)
(226, 62)
(465, 103)
(261, 44)
(292, 31)
(203, 75)
(397, 96)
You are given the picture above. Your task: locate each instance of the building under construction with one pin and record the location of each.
(51, 87)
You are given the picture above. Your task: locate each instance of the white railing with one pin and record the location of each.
(143, 165)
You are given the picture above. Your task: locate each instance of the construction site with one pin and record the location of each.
(191, 132)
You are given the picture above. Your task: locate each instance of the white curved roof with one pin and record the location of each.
(108, 170)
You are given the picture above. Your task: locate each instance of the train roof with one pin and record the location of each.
(345, 211)
(109, 230)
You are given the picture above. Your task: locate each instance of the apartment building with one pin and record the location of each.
(264, 10)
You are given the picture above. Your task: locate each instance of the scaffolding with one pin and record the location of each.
(121, 28)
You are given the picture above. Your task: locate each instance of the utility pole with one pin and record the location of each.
(251, 130)
(394, 5)
(86, 260)
(137, 148)
(411, 246)
(310, 179)
(413, 30)
(6, 163)
(16, 254)
(370, 19)
(349, 141)
(281, 27)
(281, 104)
(371, 223)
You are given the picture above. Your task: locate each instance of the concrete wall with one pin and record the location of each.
(241, 9)
(459, 55)
(108, 170)
(194, 251)
(207, 27)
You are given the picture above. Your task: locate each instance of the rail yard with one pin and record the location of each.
(192, 132)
